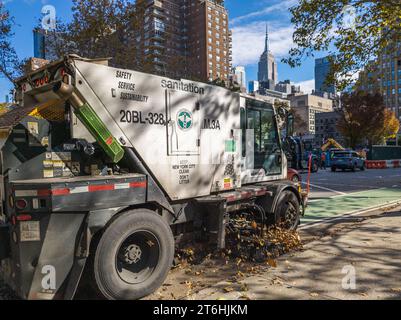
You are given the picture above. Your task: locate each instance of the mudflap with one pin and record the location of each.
(214, 209)
(4, 242)
(57, 271)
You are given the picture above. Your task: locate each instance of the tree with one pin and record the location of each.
(218, 82)
(10, 66)
(282, 109)
(364, 117)
(391, 126)
(3, 108)
(352, 31)
(110, 28)
(101, 28)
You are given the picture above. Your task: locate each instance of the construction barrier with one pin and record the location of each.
(383, 164)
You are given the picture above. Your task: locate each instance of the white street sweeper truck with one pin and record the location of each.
(104, 172)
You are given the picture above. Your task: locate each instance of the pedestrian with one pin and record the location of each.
(323, 161)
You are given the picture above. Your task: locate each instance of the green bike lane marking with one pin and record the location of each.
(354, 202)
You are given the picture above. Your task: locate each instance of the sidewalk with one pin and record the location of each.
(370, 244)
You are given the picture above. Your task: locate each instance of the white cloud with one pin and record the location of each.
(307, 86)
(249, 41)
(280, 7)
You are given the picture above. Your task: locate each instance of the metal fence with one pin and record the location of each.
(384, 153)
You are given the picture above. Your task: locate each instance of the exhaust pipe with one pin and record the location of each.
(66, 92)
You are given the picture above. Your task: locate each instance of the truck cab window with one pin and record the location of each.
(261, 119)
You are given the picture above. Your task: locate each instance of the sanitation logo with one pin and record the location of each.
(184, 119)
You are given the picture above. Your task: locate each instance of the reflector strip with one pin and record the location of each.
(26, 193)
(142, 184)
(79, 190)
(122, 186)
(101, 188)
(109, 141)
(44, 193)
(60, 192)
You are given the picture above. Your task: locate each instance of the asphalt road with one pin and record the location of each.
(334, 194)
(326, 184)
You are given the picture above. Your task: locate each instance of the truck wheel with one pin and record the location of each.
(134, 256)
(333, 169)
(287, 213)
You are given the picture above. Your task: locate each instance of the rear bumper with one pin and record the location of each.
(342, 166)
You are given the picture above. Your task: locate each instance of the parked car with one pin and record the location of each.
(347, 160)
(293, 175)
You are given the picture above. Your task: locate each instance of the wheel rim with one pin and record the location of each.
(290, 219)
(295, 179)
(138, 257)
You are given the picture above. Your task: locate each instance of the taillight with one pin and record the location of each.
(25, 217)
(21, 204)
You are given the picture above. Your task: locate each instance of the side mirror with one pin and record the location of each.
(279, 160)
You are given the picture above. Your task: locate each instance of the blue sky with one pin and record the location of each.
(248, 20)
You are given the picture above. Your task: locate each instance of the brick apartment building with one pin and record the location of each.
(186, 38)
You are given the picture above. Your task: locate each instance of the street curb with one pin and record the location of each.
(351, 214)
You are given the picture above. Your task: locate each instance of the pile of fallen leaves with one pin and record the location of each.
(248, 246)
(248, 242)
(261, 245)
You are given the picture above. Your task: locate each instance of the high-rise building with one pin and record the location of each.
(322, 69)
(43, 44)
(326, 127)
(185, 38)
(306, 107)
(384, 76)
(253, 86)
(284, 87)
(239, 75)
(267, 73)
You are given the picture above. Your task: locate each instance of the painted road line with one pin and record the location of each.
(350, 215)
(348, 185)
(354, 202)
(326, 189)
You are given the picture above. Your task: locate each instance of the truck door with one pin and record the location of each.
(261, 148)
(183, 129)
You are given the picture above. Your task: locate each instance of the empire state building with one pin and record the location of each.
(267, 74)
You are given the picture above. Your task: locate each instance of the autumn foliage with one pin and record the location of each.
(365, 119)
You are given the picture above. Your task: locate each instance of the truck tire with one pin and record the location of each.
(333, 169)
(287, 213)
(134, 256)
